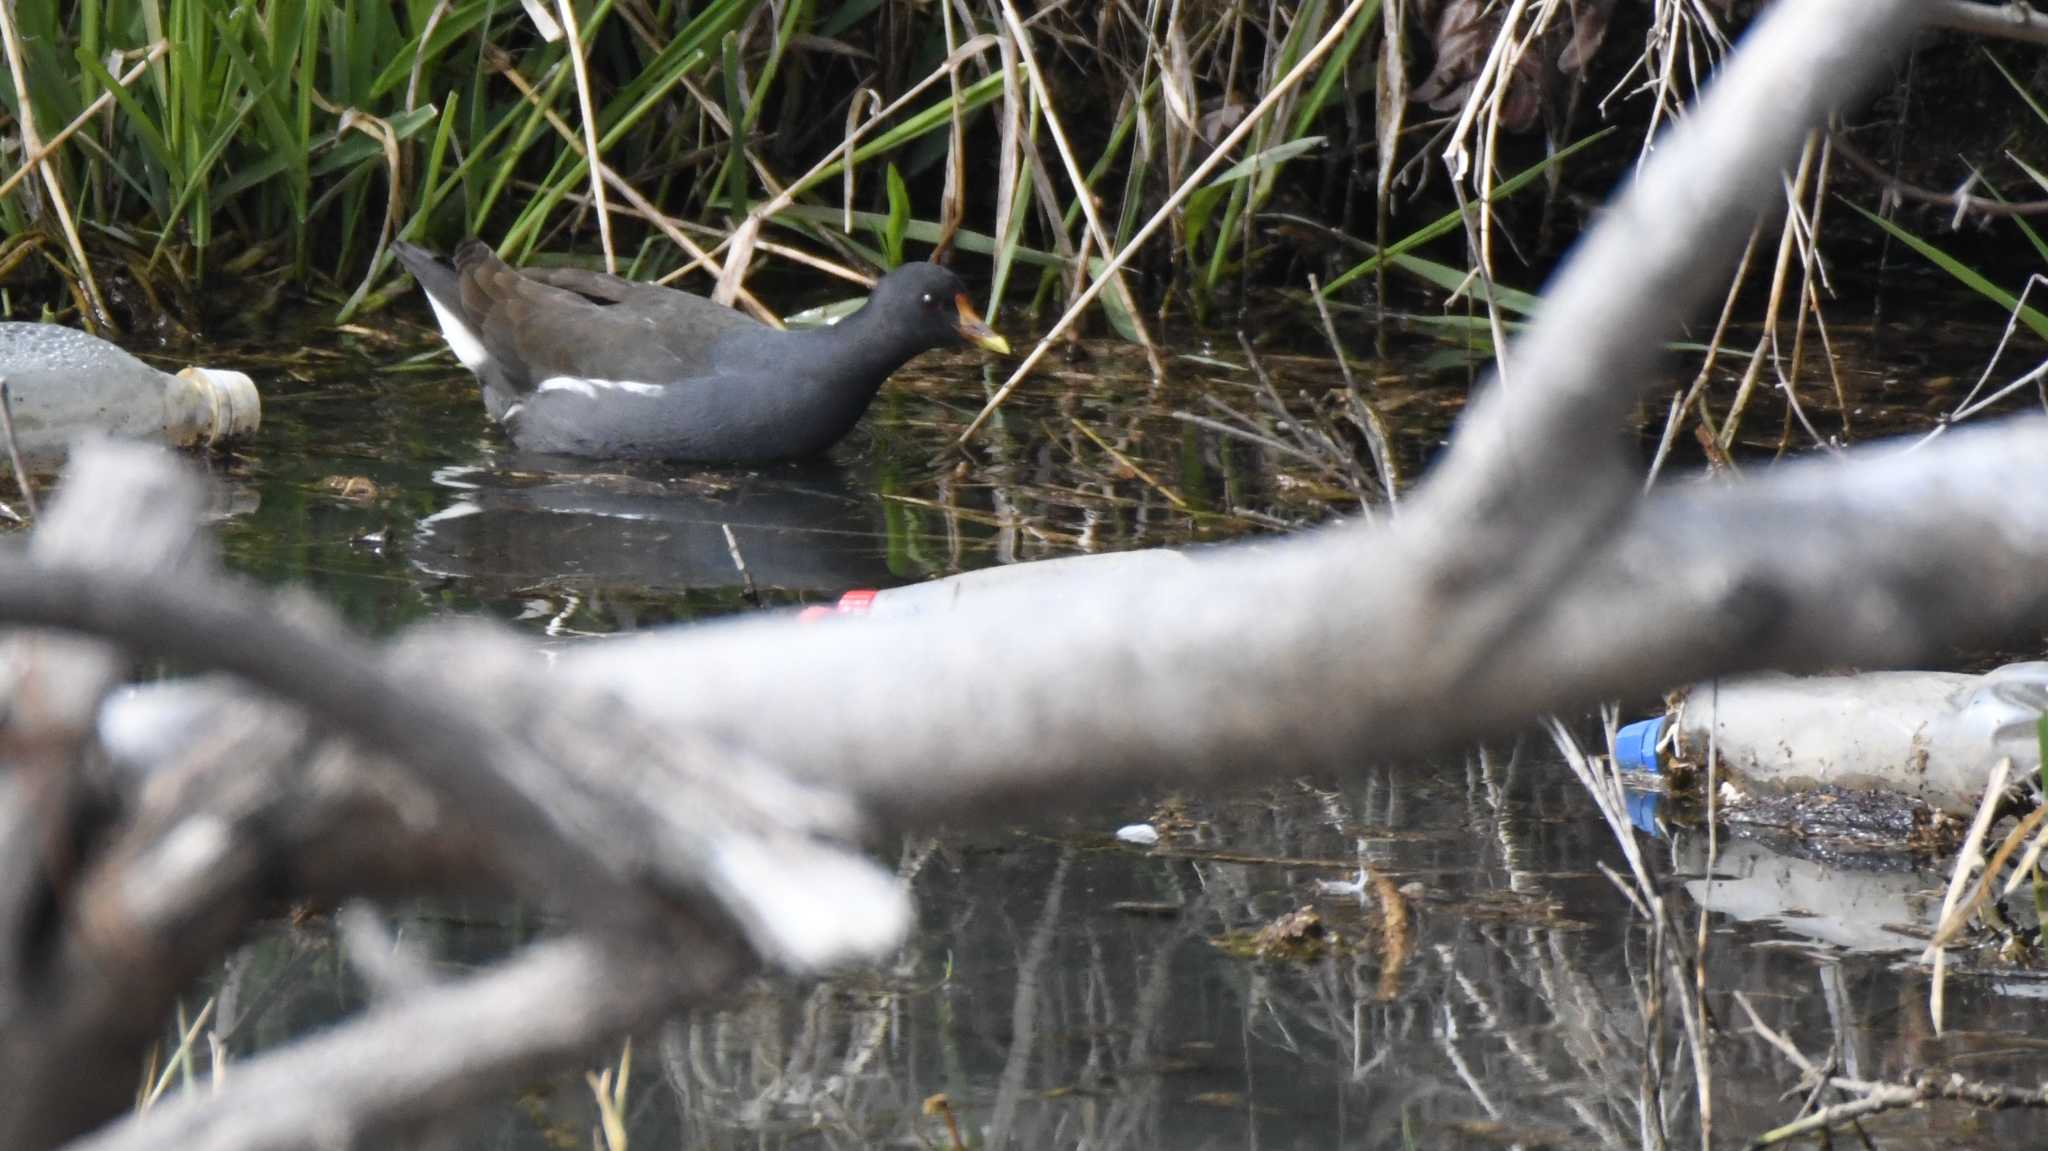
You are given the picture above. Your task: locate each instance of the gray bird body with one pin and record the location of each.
(585, 364)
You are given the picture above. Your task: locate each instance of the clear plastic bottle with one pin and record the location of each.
(942, 595)
(1928, 735)
(65, 384)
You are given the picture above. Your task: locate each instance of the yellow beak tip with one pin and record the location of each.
(994, 343)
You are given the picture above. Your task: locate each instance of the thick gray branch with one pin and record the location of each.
(1523, 579)
(1308, 649)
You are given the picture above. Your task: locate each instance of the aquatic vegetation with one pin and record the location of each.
(174, 147)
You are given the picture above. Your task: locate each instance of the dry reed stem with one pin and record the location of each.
(1813, 278)
(609, 1088)
(544, 23)
(1079, 181)
(419, 56)
(1967, 859)
(2027, 862)
(788, 195)
(101, 104)
(1788, 243)
(1187, 188)
(590, 149)
(770, 247)
(952, 206)
(1008, 145)
(700, 258)
(38, 159)
(873, 101)
(1488, 88)
(179, 1058)
(1880, 1097)
(394, 201)
(1953, 923)
(1702, 1035)
(1699, 381)
(1376, 439)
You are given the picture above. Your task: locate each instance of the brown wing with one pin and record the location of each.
(569, 322)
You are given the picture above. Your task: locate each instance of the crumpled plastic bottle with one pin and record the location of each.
(1933, 736)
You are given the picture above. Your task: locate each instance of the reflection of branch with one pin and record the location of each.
(1879, 1097)
(493, 1034)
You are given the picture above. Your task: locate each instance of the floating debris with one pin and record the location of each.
(355, 489)
(1142, 834)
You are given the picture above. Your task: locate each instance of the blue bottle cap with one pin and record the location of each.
(1635, 746)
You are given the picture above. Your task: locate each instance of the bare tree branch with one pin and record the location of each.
(696, 786)
(2016, 20)
(1323, 646)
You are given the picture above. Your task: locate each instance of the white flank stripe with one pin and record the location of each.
(567, 384)
(590, 387)
(461, 340)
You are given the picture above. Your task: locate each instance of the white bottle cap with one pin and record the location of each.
(237, 409)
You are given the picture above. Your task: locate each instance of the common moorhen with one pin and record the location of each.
(581, 363)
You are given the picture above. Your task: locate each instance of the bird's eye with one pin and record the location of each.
(928, 301)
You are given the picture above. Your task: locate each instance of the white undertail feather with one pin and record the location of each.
(589, 387)
(461, 340)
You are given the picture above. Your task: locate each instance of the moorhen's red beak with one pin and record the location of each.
(973, 330)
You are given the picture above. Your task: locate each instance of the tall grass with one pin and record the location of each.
(213, 143)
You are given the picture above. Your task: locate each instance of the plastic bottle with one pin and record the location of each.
(942, 595)
(1927, 735)
(65, 384)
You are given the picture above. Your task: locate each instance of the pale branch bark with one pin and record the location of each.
(1525, 577)
(2016, 20)
(546, 795)
(690, 847)
(1538, 472)
(1321, 646)
(1351, 641)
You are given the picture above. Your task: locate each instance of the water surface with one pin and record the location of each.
(1064, 989)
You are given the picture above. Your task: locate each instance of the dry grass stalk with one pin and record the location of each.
(783, 199)
(648, 211)
(38, 159)
(590, 149)
(1116, 261)
(1967, 861)
(1952, 924)
(101, 104)
(1079, 181)
(394, 200)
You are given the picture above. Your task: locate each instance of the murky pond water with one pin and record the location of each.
(1064, 989)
